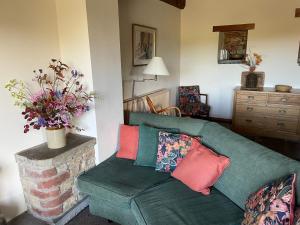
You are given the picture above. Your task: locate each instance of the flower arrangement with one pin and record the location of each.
(252, 61)
(61, 96)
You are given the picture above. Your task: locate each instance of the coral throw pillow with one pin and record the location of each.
(172, 148)
(129, 141)
(272, 204)
(201, 169)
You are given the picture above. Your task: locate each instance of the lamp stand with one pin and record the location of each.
(140, 81)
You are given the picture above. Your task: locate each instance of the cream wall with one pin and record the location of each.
(166, 19)
(276, 37)
(28, 38)
(83, 33)
(75, 51)
(104, 38)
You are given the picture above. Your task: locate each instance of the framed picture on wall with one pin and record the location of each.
(299, 55)
(143, 44)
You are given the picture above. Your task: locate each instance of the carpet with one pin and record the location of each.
(83, 218)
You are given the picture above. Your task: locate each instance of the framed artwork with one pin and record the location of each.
(252, 81)
(143, 44)
(233, 42)
(232, 47)
(299, 55)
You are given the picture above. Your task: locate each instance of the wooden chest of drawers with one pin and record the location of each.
(267, 113)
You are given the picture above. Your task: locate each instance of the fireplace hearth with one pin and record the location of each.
(48, 178)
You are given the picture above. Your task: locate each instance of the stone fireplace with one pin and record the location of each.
(48, 177)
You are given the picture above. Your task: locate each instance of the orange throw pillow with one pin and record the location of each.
(200, 169)
(129, 141)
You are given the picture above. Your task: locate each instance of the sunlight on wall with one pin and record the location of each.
(276, 37)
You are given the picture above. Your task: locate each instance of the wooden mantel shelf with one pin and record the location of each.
(237, 27)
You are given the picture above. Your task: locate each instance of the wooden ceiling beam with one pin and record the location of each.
(176, 3)
(297, 13)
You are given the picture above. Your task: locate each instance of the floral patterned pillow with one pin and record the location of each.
(297, 216)
(273, 204)
(172, 148)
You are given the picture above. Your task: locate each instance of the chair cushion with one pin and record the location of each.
(174, 203)
(204, 108)
(118, 180)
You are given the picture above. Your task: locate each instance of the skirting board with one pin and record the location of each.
(220, 120)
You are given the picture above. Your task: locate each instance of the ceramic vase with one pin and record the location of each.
(56, 137)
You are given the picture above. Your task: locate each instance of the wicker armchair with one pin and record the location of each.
(165, 111)
(190, 102)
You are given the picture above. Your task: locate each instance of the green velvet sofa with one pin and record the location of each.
(130, 195)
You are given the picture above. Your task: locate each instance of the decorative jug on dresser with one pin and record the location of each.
(267, 113)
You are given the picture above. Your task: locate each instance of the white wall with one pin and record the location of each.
(75, 51)
(104, 38)
(166, 19)
(276, 37)
(28, 38)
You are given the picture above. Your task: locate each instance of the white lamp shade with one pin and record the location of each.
(156, 67)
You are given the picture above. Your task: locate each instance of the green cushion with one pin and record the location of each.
(252, 165)
(174, 203)
(185, 125)
(118, 181)
(111, 211)
(148, 145)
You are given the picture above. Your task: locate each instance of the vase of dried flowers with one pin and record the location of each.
(252, 61)
(60, 98)
(56, 137)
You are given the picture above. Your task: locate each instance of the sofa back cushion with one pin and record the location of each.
(252, 165)
(148, 145)
(188, 126)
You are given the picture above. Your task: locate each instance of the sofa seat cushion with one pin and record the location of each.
(174, 203)
(118, 180)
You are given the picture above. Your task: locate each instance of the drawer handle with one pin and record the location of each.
(250, 109)
(281, 124)
(282, 111)
(250, 97)
(249, 121)
(284, 99)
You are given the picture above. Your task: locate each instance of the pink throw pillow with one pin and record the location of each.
(200, 169)
(129, 141)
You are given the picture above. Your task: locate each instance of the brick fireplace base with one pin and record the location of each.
(48, 178)
(68, 215)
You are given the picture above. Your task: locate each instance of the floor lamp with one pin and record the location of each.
(156, 67)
